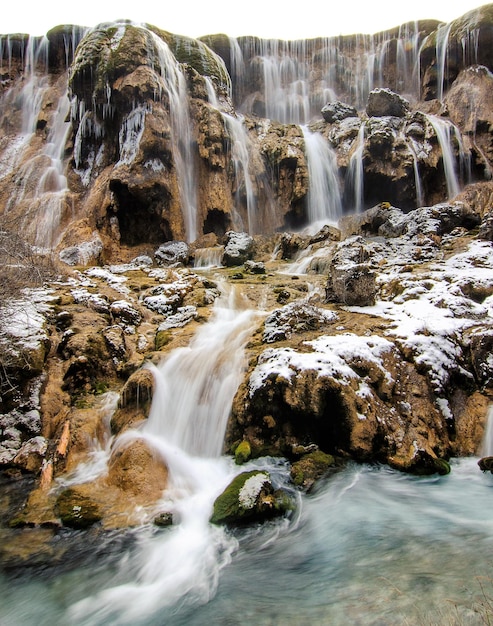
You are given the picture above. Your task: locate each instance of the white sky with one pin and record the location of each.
(287, 19)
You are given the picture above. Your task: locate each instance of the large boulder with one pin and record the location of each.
(384, 102)
(336, 111)
(238, 248)
(345, 394)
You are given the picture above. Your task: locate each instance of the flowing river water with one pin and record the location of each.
(369, 546)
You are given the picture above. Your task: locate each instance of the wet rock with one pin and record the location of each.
(138, 471)
(290, 244)
(115, 340)
(486, 227)
(255, 267)
(163, 520)
(135, 400)
(238, 248)
(420, 462)
(243, 452)
(336, 111)
(77, 509)
(486, 464)
(383, 102)
(250, 497)
(85, 253)
(469, 104)
(481, 349)
(183, 316)
(310, 468)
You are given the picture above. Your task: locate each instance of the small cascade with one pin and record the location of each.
(487, 447)
(417, 178)
(100, 449)
(195, 385)
(454, 171)
(354, 183)
(324, 198)
(194, 392)
(207, 258)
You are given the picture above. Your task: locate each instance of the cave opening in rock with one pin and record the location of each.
(329, 428)
(216, 222)
(139, 216)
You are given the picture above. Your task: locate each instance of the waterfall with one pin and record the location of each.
(442, 37)
(446, 133)
(414, 149)
(207, 258)
(40, 182)
(354, 183)
(193, 395)
(240, 157)
(175, 84)
(345, 68)
(324, 198)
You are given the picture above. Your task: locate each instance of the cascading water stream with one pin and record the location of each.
(41, 184)
(442, 37)
(446, 133)
(193, 394)
(324, 198)
(487, 447)
(240, 157)
(354, 183)
(174, 82)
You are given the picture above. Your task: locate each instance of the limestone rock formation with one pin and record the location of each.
(154, 171)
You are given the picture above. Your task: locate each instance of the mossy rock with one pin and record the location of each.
(163, 337)
(421, 463)
(310, 468)
(76, 508)
(250, 497)
(197, 55)
(243, 452)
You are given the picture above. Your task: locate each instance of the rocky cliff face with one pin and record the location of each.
(127, 135)
(134, 156)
